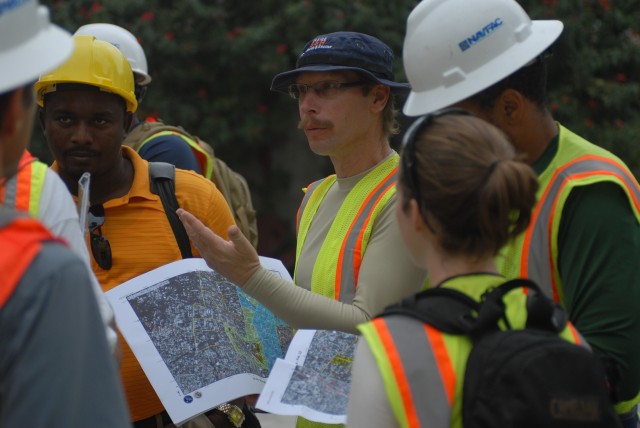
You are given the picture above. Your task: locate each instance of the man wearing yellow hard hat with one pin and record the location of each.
(86, 109)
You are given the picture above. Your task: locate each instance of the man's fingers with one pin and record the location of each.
(234, 233)
(187, 219)
(191, 223)
(240, 241)
(236, 259)
(197, 231)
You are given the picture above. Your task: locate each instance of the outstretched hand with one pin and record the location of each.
(235, 259)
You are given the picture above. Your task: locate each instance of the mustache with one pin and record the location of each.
(309, 122)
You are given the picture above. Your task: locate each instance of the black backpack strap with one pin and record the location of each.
(453, 312)
(543, 313)
(162, 183)
(492, 308)
(448, 310)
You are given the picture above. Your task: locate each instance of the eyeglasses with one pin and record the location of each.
(408, 158)
(323, 89)
(100, 247)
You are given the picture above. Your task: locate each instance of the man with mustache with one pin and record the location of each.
(86, 107)
(350, 261)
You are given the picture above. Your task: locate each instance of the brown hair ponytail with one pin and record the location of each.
(474, 191)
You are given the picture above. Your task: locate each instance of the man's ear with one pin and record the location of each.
(41, 115)
(509, 108)
(12, 120)
(140, 91)
(128, 117)
(381, 95)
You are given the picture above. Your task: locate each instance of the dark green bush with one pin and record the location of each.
(212, 63)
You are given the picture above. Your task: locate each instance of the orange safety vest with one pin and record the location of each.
(22, 191)
(20, 239)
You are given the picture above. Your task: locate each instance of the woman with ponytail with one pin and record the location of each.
(463, 193)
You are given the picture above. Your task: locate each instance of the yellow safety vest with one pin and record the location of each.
(335, 273)
(534, 254)
(151, 128)
(22, 191)
(423, 369)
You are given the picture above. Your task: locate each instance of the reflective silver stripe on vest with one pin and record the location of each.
(11, 192)
(305, 200)
(539, 251)
(421, 370)
(348, 277)
(7, 216)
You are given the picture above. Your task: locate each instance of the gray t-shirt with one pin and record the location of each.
(56, 369)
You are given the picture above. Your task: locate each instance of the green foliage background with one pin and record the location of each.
(594, 76)
(212, 63)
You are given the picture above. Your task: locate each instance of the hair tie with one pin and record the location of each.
(492, 166)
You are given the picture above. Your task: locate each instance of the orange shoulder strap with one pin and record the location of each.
(20, 239)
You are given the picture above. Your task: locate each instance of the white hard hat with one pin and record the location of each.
(123, 40)
(454, 49)
(29, 44)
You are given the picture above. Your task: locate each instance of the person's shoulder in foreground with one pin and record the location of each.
(56, 366)
(55, 346)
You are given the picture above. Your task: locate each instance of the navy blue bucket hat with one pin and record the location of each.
(343, 51)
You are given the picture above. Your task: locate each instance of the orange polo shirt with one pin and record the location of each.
(141, 240)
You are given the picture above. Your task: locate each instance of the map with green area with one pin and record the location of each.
(207, 329)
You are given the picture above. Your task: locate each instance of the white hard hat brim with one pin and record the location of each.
(25, 62)
(544, 34)
(142, 78)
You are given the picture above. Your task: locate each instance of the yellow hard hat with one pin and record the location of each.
(95, 63)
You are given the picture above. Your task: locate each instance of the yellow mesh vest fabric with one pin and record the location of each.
(324, 272)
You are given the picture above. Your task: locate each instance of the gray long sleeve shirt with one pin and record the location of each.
(56, 369)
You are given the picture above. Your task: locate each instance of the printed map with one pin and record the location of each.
(207, 329)
(322, 382)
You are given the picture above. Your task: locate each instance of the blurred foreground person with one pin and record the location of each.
(55, 363)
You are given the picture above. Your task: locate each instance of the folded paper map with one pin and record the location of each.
(200, 340)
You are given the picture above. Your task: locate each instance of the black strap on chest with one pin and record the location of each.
(162, 179)
(453, 312)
